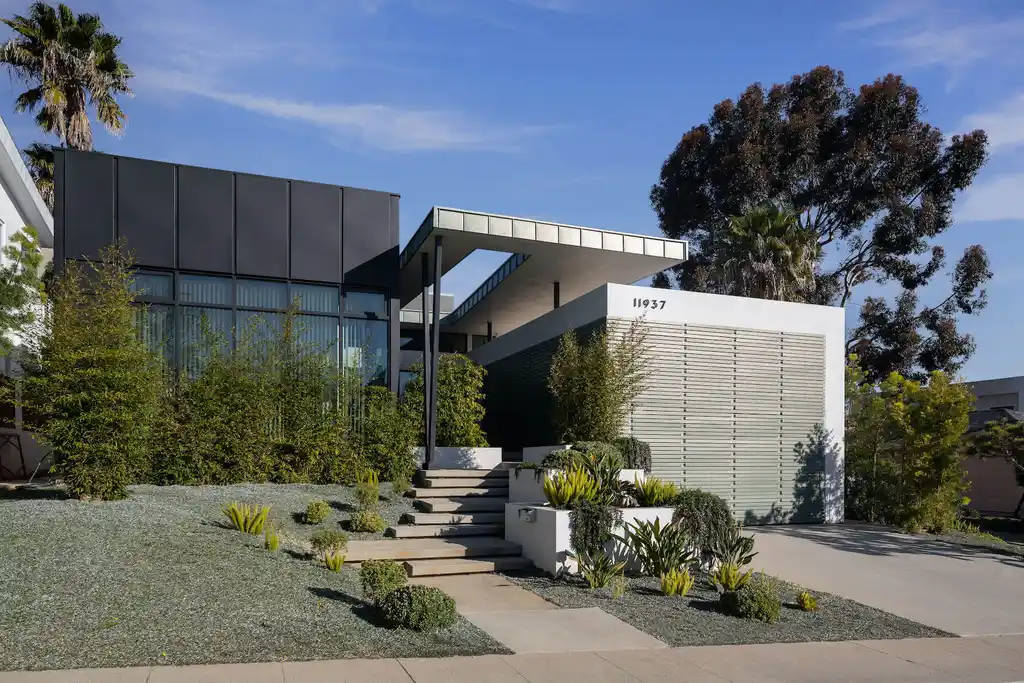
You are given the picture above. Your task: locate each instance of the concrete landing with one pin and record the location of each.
(486, 593)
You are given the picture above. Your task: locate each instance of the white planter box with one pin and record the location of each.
(538, 453)
(527, 486)
(461, 458)
(543, 533)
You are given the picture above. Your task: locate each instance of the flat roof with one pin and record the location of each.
(541, 253)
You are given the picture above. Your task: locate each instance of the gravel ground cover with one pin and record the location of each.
(1005, 544)
(695, 619)
(156, 579)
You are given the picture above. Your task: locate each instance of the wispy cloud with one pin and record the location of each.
(998, 199)
(1004, 124)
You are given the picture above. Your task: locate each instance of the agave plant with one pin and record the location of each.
(676, 583)
(660, 549)
(599, 570)
(564, 489)
(653, 492)
(731, 547)
(730, 578)
(247, 518)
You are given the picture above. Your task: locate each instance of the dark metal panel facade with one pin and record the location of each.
(145, 210)
(315, 249)
(88, 204)
(205, 220)
(369, 254)
(261, 226)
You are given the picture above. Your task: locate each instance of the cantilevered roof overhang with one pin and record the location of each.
(578, 258)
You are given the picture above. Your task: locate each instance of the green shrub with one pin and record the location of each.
(316, 512)
(704, 517)
(653, 492)
(636, 454)
(807, 602)
(368, 490)
(598, 569)
(460, 397)
(602, 462)
(590, 526)
(95, 383)
(400, 485)
(328, 540)
(729, 577)
(380, 577)
(388, 436)
(595, 383)
(732, 547)
(366, 521)
(660, 549)
(561, 459)
(619, 584)
(760, 600)
(246, 518)
(676, 583)
(271, 539)
(421, 608)
(334, 560)
(567, 488)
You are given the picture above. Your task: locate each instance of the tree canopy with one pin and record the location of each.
(873, 182)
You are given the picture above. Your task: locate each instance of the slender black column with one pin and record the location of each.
(425, 279)
(435, 343)
(558, 295)
(490, 331)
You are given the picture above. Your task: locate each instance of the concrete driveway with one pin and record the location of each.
(966, 591)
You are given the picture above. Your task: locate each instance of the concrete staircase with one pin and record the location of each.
(458, 528)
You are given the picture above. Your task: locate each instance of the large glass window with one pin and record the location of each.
(369, 304)
(364, 348)
(153, 285)
(200, 289)
(201, 333)
(316, 298)
(260, 294)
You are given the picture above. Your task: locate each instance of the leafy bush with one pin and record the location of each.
(636, 454)
(421, 608)
(704, 517)
(368, 490)
(594, 384)
(760, 600)
(460, 397)
(328, 540)
(96, 385)
(676, 583)
(807, 602)
(653, 492)
(619, 584)
(732, 547)
(590, 526)
(366, 521)
(561, 459)
(245, 518)
(380, 577)
(602, 462)
(334, 560)
(598, 569)
(316, 512)
(567, 488)
(730, 578)
(271, 539)
(660, 549)
(388, 436)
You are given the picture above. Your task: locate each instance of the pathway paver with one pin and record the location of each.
(576, 667)
(346, 671)
(956, 656)
(489, 668)
(659, 666)
(263, 672)
(138, 674)
(562, 630)
(486, 593)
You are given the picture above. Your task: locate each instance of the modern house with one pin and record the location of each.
(997, 487)
(736, 383)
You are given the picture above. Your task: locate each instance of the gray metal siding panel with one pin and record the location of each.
(316, 232)
(261, 226)
(205, 220)
(369, 255)
(145, 210)
(88, 203)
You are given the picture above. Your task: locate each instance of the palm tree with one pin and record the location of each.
(39, 159)
(68, 62)
(767, 254)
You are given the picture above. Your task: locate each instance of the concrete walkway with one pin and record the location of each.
(967, 591)
(996, 659)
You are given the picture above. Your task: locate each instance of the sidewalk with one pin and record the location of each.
(993, 659)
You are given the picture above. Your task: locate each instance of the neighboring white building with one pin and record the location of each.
(995, 483)
(20, 205)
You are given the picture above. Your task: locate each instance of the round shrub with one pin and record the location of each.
(759, 600)
(602, 453)
(421, 608)
(366, 521)
(636, 454)
(316, 512)
(381, 577)
(703, 516)
(328, 541)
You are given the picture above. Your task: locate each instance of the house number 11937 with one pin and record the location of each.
(652, 304)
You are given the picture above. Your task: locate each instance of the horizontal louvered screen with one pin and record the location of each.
(724, 408)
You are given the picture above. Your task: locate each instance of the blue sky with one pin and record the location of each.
(555, 109)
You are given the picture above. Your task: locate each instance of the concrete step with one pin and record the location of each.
(421, 518)
(481, 565)
(445, 531)
(429, 548)
(464, 474)
(477, 504)
(465, 482)
(481, 491)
